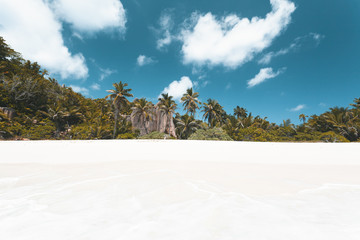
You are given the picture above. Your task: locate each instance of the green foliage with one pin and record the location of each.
(332, 137)
(156, 135)
(210, 134)
(39, 132)
(185, 126)
(126, 136)
(46, 110)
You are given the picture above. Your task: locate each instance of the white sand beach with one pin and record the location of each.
(153, 189)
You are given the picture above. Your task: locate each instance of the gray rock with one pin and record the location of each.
(159, 121)
(9, 112)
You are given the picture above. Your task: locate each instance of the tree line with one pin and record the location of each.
(44, 109)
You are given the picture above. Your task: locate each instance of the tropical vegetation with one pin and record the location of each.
(35, 106)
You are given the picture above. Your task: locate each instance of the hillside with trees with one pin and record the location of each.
(35, 106)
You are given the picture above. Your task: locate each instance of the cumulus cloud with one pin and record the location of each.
(95, 86)
(33, 30)
(230, 40)
(178, 88)
(166, 25)
(263, 75)
(298, 108)
(81, 90)
(143, 60)
(296, 44)
(91, 15)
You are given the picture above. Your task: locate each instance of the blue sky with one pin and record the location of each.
(276, 58)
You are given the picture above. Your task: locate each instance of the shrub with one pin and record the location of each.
(156, 135)
(332, 137)
(210, 134)
(126, 136)
(39, 132)
(80, 132)
(257, 135)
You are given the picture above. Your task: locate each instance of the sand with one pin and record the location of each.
(179, 190)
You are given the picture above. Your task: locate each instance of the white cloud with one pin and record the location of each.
(228, 86)
(297, 43)
(95, 86)
(266, 59)
(91, 15)
(106, 72)
(79, 89)
(298, 108)
(232, 41)
(263, 75)
(322, 104)
(200, 84)
(31, 28)
(178, 88)
(165, 26)
(144, 60)
(317, 37)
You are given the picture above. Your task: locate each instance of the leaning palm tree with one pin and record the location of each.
(168, 106)
(190, 101)
(119, 99)
(186, 125)
(213, 112)
(142, 111)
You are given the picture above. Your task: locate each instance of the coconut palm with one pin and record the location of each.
(186, 125)
(240, 112)
(168, 106)
(190, 101)
(57, 113)
(231, 126)
(302, 117)
(213, 112)
(142, 110)
(119, 99)
(356, 103)
(343, 121)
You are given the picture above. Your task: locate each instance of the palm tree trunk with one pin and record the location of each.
(115, 124)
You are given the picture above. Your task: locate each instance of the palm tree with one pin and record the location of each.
(240, 112)
(303, 117)
(57, 113)
(168, 106)
(231, 126)
(356, 103)
(190, 101)
(186, 125)
(213, 112)
(119, 99)
(343, 121)
(142, 110)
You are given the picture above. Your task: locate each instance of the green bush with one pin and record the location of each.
(257, 135)
(210, 134)
(156, 135)
(332, 137)
(126, 136)
(80, 132)
(39, 132)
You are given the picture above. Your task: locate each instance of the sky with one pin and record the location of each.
(276, 58)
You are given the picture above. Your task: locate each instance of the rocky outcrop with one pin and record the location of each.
(159, 121)
(9, 112)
